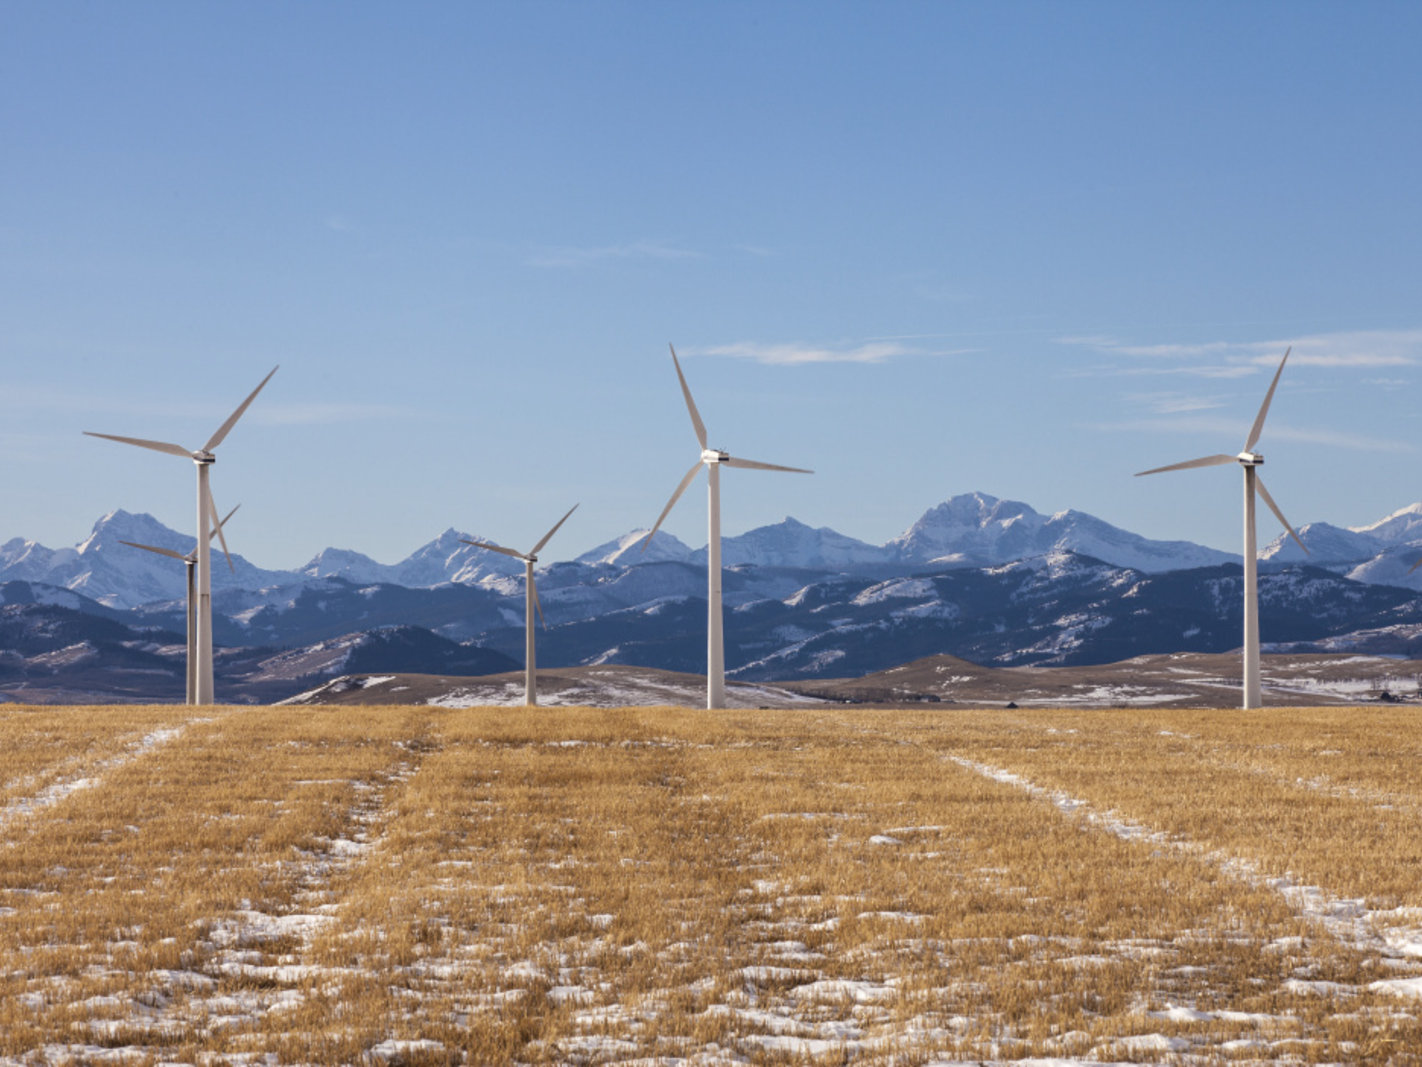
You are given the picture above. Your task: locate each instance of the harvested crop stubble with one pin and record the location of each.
(488, 885)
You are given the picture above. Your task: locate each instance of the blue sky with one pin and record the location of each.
(923, 248)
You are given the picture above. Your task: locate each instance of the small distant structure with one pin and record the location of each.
(530, 602)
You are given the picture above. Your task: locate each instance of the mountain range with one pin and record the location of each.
(991, 580)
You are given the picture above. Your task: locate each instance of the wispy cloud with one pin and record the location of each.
(1345, 349)
(1175, 403)
(568, 256)
(871, 351)
(1229, 431)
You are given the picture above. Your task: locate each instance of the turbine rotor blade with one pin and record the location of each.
(756, 465)
(537, 603)
(221, 537)
(229, 515)
(1415, 565)
(1203, 461)
(154, 548)
(1258, 427)
(222, 431)
(695, 467)
(696, 422)
(157, 446)
(549, 535)
(1259, 484)
(496, 548)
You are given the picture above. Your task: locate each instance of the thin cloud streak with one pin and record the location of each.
(568, 257)
(795, 354)
(1228, 430)
(1175, 403)
(1356, 348)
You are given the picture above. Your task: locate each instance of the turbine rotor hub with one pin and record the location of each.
(712, 455)
(204, 458)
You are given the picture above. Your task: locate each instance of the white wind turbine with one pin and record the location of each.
(1250, 461)
(714, 461)
(206, 513)
(190, 559)
(530, 602)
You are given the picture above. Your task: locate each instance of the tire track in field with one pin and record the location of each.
(1348, 920)
(314, 907)
(91, 775)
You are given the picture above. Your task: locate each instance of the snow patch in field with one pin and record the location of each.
(392, 1051)
(1349, 920)
(57, 791)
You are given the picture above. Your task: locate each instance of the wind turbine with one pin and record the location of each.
(191, 560)
(206, 512)
(714, 459)
(1250, 461)
(530, 602)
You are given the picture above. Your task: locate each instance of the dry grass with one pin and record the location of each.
(591, 886)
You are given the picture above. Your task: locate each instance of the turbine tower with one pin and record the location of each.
(714, 459)
(530, 602)
(1251, 462)
(206, 513)
(190, 559)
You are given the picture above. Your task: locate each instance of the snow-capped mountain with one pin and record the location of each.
(1380, 553)
(106, 569)
(1327, 544)
(790, 543)
(975, 529)
(627, 551)
(344, 563)
(1403, 526)
(969, 530)
(445, 559)
(448, 559)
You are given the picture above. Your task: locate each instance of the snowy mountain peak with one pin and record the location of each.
(120, 525)
(1326, 544)
(627, 550)
(1403, 525)
(970, 527)
(791, 543)
(345, 563)
(976, 529)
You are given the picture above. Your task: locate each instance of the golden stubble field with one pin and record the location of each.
(429, 885)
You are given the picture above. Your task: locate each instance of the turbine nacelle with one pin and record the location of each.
(204, 458)
(1250, 459)
(711, 455)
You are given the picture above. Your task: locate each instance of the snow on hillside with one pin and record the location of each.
(116, 574)
(976, 529)
(1326, 544)
(1403, 526)
(627, 550)
(448, 559)
(971, 530)
(791, 543)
